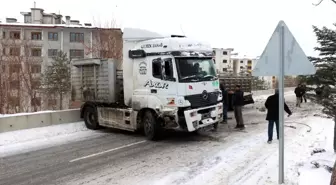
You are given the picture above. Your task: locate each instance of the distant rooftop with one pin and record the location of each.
(242, 57)
(17, 24)
(36, 17)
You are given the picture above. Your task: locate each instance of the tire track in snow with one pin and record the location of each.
(232, 170)
(270, 158)
(194, 174)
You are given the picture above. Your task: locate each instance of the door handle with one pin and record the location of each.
(153, 91)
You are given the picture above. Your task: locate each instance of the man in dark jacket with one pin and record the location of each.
(299, 93)
(304, 90)
(225, 102)
(272, 106)
(238, 103)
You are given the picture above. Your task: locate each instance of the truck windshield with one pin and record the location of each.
(195, 69)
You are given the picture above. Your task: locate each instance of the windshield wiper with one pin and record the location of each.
(191, 77)
(210, 77)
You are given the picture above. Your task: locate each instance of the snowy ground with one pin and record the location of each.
(82, 156)
(24, 113)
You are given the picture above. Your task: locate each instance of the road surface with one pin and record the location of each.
(116, 157)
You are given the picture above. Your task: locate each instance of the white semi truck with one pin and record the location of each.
(162, 83)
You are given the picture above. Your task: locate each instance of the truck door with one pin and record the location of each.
(164, 83)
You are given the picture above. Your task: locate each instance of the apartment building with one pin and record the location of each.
(222, 60)
(29, 46)
(245, 64)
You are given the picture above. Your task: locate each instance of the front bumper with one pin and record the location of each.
(202, 117)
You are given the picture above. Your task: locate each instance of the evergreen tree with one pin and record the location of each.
(56, 77)
(324, 81)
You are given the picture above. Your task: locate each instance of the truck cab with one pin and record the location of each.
(176, 78)
(166, 83)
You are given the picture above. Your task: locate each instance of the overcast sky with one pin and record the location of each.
(245, 25)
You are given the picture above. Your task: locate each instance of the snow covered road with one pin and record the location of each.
(71, 154)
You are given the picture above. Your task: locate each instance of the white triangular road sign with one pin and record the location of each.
(296, 62)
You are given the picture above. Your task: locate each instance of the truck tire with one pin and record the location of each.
(91, 118)
(151, 126)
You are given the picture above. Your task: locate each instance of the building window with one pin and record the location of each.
(241, 67)
(36, 36)
(224, 61)
(13, 101)
(4, 51)
(241, 61)
(14, 35)
(76, 53)
(214, 61)
(76, 37)
(14, 84)
(214, 52)
(36, 52)
(52, 102)
(27, 19)
(35, 69)
(53, 36)
(52, 52)
(3, 68)
(3, 34)
(224, 69)
(14, 51)
(35, 101)
(35, 84)
(249, 67)
(14, 68)
(249, 61)
(104, 53)
(225, 53)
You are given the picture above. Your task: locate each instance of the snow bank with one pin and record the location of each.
(38, 138)
(309, 174)
(253, 161)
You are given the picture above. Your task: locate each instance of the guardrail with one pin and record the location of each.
(42, 119)
(270, 91)
(38, 119)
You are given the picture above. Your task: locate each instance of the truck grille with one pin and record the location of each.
(197, 100)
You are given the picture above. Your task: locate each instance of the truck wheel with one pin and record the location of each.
(151, 126)
(91, 118)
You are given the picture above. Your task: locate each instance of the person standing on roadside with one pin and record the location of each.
(272, 106)
(304, 90)
(238, 103)
(298, 92)
(225, 102)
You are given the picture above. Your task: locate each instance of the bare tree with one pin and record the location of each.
(3, 88)
(106, 41)
(21, 66)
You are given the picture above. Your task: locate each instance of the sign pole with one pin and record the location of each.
(281, 103)
(282, 47)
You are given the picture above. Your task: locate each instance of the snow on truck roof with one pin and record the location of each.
(171, 44)
(152, 42)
